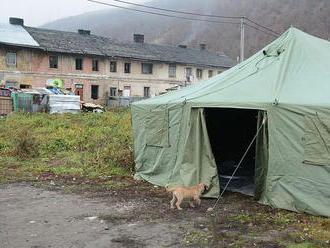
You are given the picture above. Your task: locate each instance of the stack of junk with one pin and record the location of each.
(51, 99)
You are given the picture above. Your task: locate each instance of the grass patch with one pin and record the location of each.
(88, 145)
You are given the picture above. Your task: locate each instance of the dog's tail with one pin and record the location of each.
(168, 188)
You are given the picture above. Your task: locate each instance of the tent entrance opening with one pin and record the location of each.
(230, 132)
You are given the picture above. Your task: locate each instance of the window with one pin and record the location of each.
(113, 66)
(127, 67)
(53, 62)
(113, 91)
(199, 73)
(316, 141)
(94, 91)
(188, 73)
(146, 91)
(95, 65)
(147, 68)
(11, 59)
(219, 72)
(157, 129)
(79, 64)
(172, 70)
(210, 73)
(25, 86)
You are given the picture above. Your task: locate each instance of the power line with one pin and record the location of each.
(257, 24)
(190, 13)
(176, 11)
(162, 14)
(260, 30)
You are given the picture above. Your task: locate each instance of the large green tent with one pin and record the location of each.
(178, 138)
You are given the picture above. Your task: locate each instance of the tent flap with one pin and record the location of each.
(198, 163)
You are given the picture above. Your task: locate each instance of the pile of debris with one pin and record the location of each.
(52, 99)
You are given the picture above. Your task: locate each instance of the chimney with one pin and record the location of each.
(16, 21)
(202, 46)
(84, 32)
(139, 38)
(182, 46)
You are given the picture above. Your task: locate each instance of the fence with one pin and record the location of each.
(123, 101)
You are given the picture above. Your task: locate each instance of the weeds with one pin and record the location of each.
(87, 144)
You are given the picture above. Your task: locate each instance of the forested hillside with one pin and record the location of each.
(310, 16)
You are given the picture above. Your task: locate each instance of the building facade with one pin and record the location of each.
(96, 67)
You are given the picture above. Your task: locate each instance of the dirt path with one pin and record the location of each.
(33, 217)
(127, 213)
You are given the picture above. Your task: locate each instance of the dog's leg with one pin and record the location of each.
(179, 200)
(198, 200)
(191, 204)
(173, 201)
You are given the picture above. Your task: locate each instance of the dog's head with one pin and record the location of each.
(202, 187)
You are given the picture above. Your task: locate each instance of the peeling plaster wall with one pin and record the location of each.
(33, 69)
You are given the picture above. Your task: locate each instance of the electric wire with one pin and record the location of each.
(162, 14)
(177, 11)
(185, 13)
(250, 26)
(262, 26)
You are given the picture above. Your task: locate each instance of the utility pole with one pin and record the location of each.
(241, 57)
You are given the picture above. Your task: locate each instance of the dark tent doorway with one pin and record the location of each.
(230, 132)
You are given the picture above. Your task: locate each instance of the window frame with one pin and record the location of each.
(81, 64)
(93, 95)
(7, 59)
(52, 64)
(149, 66)
(113, 66)
(129, 67)
(172, 73)
(95, 65)
(111, 90)
(144, 91)
(199, 73)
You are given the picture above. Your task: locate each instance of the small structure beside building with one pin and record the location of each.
(96, 68)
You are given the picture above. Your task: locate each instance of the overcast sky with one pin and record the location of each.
(38, 12)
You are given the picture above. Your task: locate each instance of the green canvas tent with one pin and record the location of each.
(187, 136)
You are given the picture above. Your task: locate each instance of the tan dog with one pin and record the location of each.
(192, 193)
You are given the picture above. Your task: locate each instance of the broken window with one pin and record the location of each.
(11, 59)
(113, 91)
(79, 64)
(127, 67)
(199, 73)
(95, 65)
(113, 66)
(146, 91)
(94, 91)
(53, 62)
(210, 73)
(172, 70)
(146, 68)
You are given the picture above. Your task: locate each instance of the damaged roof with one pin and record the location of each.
(84, 44)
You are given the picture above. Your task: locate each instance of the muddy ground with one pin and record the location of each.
(129, 214)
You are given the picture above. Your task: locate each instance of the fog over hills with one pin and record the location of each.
(310, 16)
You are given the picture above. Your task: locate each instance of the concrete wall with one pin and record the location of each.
(33, 69)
